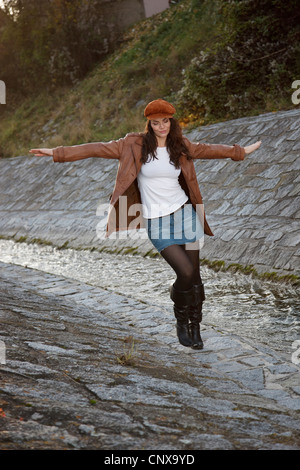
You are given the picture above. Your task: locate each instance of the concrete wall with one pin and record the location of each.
(120, 14)
(155, 6)
(253, 206)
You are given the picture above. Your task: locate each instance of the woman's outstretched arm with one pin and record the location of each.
(112, 149)
(211, 151)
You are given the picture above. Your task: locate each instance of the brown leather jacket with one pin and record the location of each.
(128, 151)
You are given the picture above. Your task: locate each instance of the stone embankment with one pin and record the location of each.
(87, 368)
(252, 206)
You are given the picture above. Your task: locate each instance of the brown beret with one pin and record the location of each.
(159, 109)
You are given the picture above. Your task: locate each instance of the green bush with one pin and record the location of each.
(250, 67)
(49, 43)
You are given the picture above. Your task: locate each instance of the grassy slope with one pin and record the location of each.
(110, 101)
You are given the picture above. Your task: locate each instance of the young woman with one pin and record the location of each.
(156, 170)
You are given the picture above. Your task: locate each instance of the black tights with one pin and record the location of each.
(185, 262)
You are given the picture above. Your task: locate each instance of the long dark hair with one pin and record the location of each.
(175, 143)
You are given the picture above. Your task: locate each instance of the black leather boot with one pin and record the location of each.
(183, 300)
(195, 315)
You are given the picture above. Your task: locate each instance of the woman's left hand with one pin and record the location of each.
(251, 148)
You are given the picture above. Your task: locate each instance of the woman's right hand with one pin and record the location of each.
(42, 152)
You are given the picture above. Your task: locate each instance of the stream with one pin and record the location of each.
(262, 311)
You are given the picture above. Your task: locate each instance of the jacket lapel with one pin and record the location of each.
(137, 154)
(189, 174)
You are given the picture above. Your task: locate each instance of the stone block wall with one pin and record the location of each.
(254, 205)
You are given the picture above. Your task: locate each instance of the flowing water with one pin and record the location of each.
(262, 311)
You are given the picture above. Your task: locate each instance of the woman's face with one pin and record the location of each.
(161, 127)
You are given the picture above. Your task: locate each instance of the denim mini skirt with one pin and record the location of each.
(181, 227)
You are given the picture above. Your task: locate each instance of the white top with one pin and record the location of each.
(159, 186)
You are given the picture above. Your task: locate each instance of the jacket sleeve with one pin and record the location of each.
(210, 151)
(112, 149)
